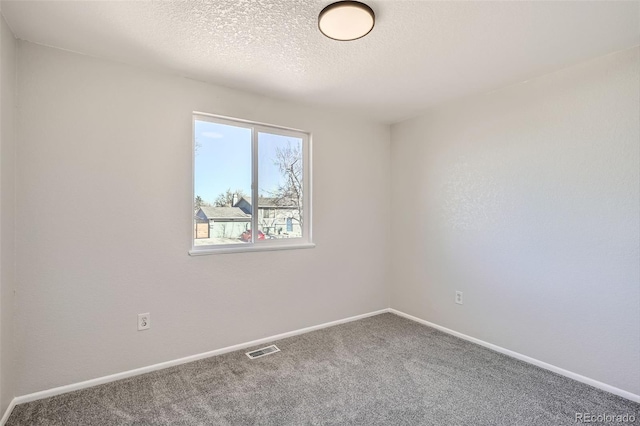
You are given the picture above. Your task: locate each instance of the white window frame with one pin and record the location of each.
(257, 245)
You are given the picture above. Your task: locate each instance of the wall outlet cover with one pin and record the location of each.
(144, 321)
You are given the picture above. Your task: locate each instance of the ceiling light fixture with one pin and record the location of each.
(346, 20)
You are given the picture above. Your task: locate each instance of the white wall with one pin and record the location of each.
(104, 223)
(7, 214)
(527, 200)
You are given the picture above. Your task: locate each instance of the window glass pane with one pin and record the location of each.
(222, 183)
(280, 172)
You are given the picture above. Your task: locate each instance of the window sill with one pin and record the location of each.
(244, 249)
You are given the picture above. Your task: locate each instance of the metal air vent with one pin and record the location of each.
(262, 352)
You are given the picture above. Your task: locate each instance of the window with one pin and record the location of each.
(249, 176)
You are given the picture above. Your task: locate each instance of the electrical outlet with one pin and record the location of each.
(459, 297)
(144, 321)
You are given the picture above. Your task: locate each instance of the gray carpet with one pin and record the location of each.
(382, 370)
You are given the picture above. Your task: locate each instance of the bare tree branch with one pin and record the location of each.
(290, 192)
(226, 198)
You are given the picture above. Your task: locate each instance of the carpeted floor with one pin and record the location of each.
(382, 370)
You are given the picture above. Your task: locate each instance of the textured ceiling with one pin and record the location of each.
(420, 53)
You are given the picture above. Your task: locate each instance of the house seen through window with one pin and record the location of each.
(251, 185)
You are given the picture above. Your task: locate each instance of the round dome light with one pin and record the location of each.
(346, 20)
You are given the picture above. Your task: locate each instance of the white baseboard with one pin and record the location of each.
(516, 355)
(8, 411)
(135, 372)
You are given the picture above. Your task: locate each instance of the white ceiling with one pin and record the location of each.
(420, 53)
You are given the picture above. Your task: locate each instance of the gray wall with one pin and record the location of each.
(527, 200)
(7, 214)
(111, 141)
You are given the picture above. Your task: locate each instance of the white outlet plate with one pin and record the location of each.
(459, 297)
(144, 321)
